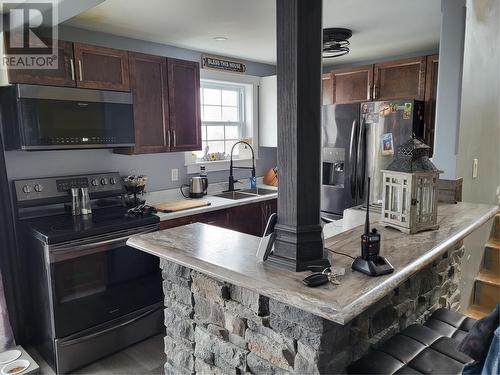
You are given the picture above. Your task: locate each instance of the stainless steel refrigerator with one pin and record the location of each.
(359, 140)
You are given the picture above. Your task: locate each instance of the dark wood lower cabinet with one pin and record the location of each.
(250, 218)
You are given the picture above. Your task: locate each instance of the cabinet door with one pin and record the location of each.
(327, 88)
(101, 68)
(218, 218)
(148, 83)
(184, 104)
(63, 75)
(268, 208)
(246, 219)
(431, 81)
(167, 224)
(400, 79)
(352, 85)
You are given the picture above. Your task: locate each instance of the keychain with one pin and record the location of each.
(322, 276)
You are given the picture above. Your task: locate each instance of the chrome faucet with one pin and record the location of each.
(231, 177)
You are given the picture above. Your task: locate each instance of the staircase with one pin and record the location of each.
(486, 293)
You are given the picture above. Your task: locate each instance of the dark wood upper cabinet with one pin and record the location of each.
(101, 68)
(352, 85)
(327, 88)
(431, 81)
(148, 84)
(63, 75)
(184, 104)
(400, 79)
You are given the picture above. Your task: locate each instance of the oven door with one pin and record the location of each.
(101, 279)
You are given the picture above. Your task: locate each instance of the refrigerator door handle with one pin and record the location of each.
(361, 160)
(352, 158)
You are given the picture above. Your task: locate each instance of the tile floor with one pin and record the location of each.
(146, 357)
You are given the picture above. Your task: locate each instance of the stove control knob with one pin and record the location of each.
(38, 188)
(104, 181)
(94, 182)
(112, 181)
(26, 189)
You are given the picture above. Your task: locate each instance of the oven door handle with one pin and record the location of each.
(78, 250)
(80, 339)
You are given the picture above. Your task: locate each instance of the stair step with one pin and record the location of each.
(491, 261)
(488, 278)
(486, 295)
(493, 243)
(477, 312)
(495, 230)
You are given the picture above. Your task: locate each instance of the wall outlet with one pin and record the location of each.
(175, 175)
(475, 163)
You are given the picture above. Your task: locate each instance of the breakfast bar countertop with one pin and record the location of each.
(230, 256)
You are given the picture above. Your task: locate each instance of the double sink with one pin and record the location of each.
(243, 194)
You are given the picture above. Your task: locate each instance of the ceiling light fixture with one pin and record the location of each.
(335, 42)
(220, 38)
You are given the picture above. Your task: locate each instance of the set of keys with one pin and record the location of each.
(322, 276)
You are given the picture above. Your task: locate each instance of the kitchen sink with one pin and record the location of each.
(234, 195)
(259, 191)
(242, 194)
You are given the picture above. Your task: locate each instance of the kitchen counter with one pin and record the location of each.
(230, 256)
(216, 203)
(227, 313)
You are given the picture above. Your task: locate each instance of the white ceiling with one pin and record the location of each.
(381, 28)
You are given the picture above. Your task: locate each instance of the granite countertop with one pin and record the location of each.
(230, 256)
(216, 203)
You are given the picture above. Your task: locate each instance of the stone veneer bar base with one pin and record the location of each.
(216, 328)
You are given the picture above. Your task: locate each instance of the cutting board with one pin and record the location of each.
(181, 205)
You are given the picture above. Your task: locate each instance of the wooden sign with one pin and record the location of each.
(222, 63)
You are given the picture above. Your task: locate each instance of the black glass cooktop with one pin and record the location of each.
(65, 227)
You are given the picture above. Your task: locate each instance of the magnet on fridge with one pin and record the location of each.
(387, 143)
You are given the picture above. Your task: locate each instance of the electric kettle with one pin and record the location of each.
(197, 187)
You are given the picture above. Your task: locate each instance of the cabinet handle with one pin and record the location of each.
(72, 65)
(175, 138)
(168, 136)
(80, 69)
(375, 91)
(369, 93)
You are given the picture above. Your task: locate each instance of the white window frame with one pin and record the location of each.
(240, 90)
(251, 86)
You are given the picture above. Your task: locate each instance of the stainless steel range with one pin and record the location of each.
(89, 293)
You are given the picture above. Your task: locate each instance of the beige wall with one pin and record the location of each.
(479, 133)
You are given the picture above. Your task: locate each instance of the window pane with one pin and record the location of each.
(211, 96)
(229, 145)
(211, 113)
(232, 132)
(215, 132)
(229, 98)
(216, 146)
(230, 114)
(203, 132)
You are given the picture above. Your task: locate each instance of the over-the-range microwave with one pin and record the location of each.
(37, 117)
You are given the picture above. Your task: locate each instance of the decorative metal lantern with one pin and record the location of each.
(410, 189)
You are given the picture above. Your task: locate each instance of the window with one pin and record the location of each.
(222, 117)
(229, 113)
